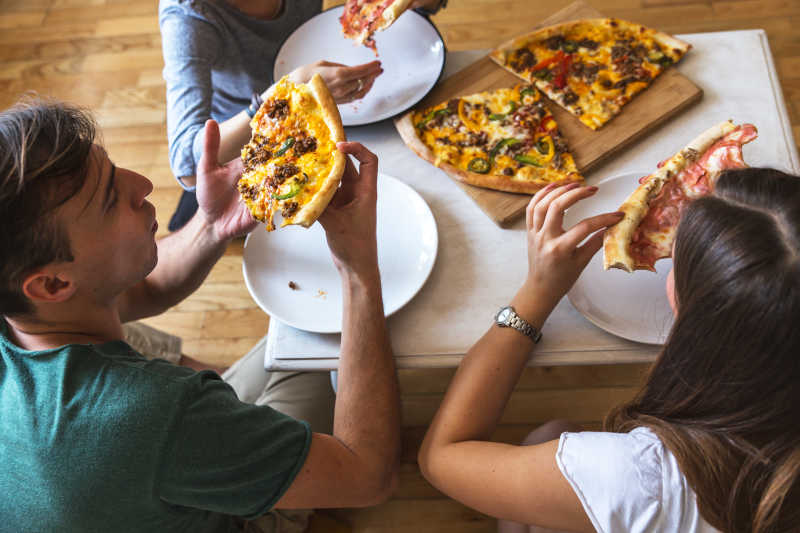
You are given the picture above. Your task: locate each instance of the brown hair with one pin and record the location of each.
(44, 159)
(724, 394)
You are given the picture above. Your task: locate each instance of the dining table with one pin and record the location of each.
(479, 265)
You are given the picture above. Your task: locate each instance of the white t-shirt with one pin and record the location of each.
(629, 482)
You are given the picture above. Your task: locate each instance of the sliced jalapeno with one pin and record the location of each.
(288, 143)
(479, 165)
(528, 160)
(569, 46)
(294, 190)
(543, 146)
(430, 116)
(527, 90)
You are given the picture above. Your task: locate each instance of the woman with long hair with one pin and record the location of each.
(711, 442)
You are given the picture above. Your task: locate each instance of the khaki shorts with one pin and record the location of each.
(304, 396)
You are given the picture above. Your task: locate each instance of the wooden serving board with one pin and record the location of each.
(670, 93)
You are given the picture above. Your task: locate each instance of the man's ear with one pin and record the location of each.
(48, 287)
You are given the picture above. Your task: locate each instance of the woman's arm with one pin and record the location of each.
(516, 483)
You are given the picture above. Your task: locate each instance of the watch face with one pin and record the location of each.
(503, 315)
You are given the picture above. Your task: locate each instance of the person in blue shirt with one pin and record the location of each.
(93, 436)
(218, 57)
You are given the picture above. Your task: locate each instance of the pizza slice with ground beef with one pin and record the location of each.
(505, 140)
(291, 164)
(653, 210)
(591, 67)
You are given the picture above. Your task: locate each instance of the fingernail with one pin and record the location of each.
(592, 189)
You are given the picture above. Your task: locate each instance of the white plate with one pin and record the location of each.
(633, 306)
(411, 53)
(407, 244)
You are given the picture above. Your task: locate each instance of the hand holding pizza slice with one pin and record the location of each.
(653, 210)
(291, 164)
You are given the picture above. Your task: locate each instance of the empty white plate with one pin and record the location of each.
(411, 53)
(633, 306)
(407, 245)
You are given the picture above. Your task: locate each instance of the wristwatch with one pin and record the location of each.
(507, 317)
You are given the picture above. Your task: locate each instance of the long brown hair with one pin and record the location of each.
(45, 148)
(724, 394)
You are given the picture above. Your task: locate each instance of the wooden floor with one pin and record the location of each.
(106, 55)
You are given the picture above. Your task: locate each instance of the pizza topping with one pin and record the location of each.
(288, 143)
(479, 165)
(289, 209)
(278, 109)
(305, 145)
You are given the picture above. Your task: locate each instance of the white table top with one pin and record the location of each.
(480, 266)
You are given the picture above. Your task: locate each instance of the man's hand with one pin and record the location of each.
(555, 259)
(350, 218)
(216, 190)
(345, 83)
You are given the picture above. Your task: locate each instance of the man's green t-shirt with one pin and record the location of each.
(97, 438)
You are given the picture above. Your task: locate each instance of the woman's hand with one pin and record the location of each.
(555, 259)
(344, 82)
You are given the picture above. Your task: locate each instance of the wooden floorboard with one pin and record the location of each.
(106, 55)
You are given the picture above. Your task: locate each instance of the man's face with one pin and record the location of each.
(111, 229)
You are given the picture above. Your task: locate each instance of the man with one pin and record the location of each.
(94, 437)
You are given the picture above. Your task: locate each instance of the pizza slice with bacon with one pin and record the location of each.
(362, 18)
(652, 211)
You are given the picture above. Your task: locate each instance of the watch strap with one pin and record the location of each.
(523, 326)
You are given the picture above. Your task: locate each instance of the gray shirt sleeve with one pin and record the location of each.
(190, 47)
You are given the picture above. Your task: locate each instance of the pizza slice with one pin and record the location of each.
(291, 164)
(504, 139)
(653, 210)
(362, 18)
(591, 67)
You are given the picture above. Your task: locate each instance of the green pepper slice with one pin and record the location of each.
(528, 160)
(527, 90)
(288, 143)
(508, 141)
(427, 118)
(497, 116)
(543, 146)
(479, 165)
(569, 46)
(295, 189)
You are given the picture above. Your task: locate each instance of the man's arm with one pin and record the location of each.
(186, 257)
(519, 483)
(357, 466)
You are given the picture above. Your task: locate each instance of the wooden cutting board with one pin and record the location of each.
(669, 94)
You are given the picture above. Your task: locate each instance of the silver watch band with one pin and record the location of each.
(515, 321)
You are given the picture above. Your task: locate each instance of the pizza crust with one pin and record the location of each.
(405, 127)
(617, 239)
(310, 212)
(391, 13)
